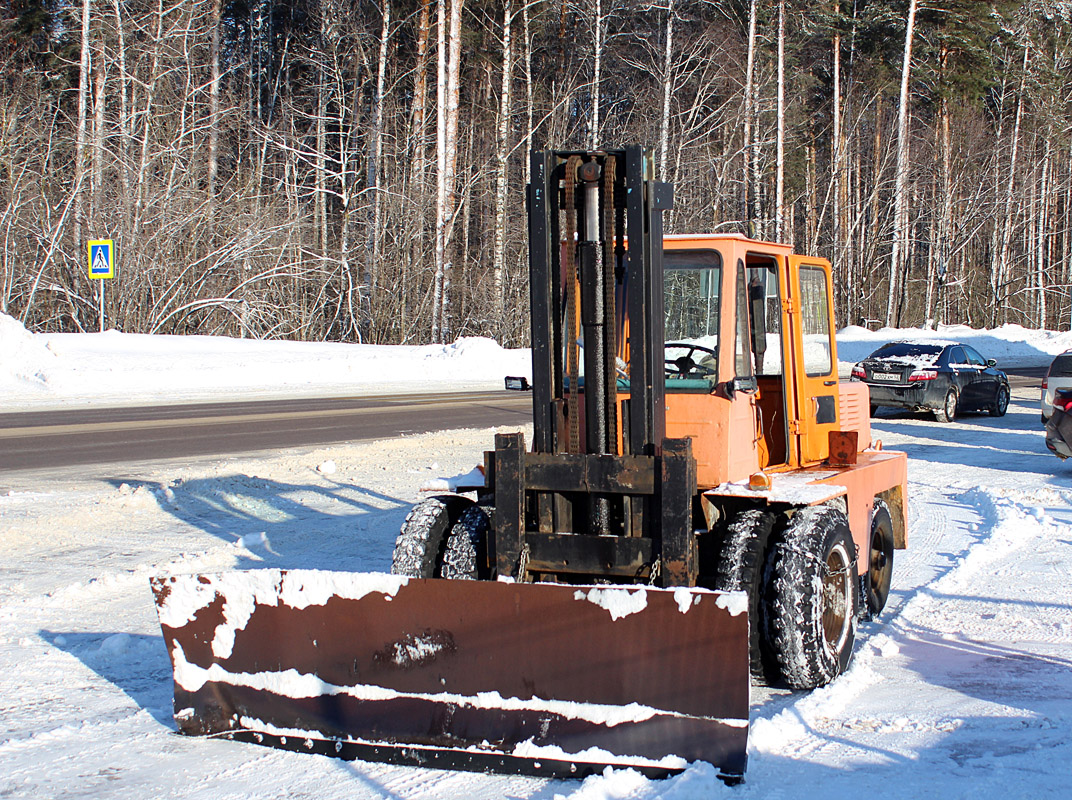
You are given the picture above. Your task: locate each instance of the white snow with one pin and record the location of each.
(594, 755)
(618, 602)
(60, 370)
(474, 477)
(961, 689)
(734, 602)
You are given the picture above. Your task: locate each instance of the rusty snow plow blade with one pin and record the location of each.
(543, 679)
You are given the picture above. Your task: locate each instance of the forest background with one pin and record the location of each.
(353, 169)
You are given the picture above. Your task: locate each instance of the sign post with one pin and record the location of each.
(101, 265)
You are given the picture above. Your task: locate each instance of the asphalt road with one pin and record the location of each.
(41, 440)
(53, 439)
(1020, 377)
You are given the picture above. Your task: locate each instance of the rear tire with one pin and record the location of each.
(741, 569)
(813, 597)
(1001, 402)
(421, 542)
(880, 565)
(948, 411)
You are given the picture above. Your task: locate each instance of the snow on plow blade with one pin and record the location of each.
(532, 678)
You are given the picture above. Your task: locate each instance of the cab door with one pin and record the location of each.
(814, 368)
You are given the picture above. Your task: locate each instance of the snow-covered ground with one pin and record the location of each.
(962, 689)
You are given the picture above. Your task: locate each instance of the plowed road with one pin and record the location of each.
(46, 439)
(40, 440)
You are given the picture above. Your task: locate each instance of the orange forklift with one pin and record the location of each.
(702, 506)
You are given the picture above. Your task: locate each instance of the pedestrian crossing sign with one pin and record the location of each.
(101, 259)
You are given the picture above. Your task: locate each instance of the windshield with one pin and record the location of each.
(692, 285)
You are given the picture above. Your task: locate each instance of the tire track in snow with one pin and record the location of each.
(798, 729)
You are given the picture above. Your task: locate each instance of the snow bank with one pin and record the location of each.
(112, 368)
(25, 360)
(1009, 345)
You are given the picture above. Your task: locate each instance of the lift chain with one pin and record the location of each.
(573, 423)
(610, 315)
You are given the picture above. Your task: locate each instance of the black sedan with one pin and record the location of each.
(943, 377)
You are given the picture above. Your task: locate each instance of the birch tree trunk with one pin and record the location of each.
(810, 220)
(529, 110)
(668, 83)
(593, 138)
(124, 120)
(213, 107)
(320, 210)
(900, 207)
(97, 176)
(750, 192)
(417, 166)
(150, 100)
(373, 181)
(502, 162)
(1042, 231)
(999, 281)
(836, 156)
(420, 97)
(943, 242)
(441, 173)
(449, 76)
(80, 140)
(779, 158)
(453, 87)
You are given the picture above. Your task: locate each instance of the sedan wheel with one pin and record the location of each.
(948, 411)
(1001, 402)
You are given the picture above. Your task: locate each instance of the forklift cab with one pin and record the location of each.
(751, 368)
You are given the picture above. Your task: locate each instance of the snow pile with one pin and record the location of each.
(1010, 345)
(25, 361)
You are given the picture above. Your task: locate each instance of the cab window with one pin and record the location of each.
(815, 321)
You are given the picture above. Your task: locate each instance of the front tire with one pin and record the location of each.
(1001, 402)
(423, 539)
(465, 553)
(948, 411)
(741, 569)
(812, 597)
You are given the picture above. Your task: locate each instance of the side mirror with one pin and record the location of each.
(991, 362)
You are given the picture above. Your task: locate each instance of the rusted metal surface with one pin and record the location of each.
(582, 554)
(565, 472)
(843, 448)
(679, 556)
(406, 670)
(509, 503)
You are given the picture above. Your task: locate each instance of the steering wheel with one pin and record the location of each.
(681, 366)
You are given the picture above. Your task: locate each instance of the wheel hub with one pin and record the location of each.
(836, 598)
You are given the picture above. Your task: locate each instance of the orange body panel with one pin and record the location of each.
(723, 433)
(873, 473)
